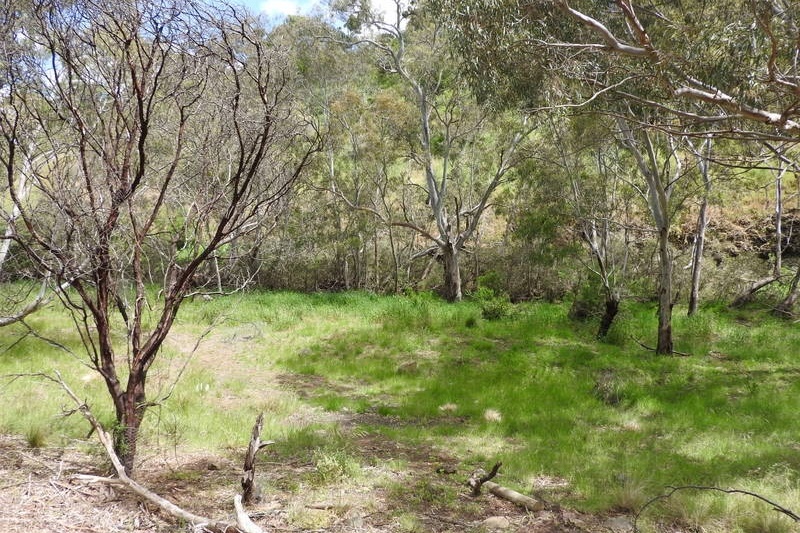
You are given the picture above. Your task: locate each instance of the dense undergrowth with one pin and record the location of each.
(530, 388)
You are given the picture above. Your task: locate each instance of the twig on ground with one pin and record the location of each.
(672, 490)
(476, 481)
(440, 518)
(650, 349)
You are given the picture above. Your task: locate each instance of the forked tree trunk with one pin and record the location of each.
(452, 273)
(611, 310)
(664, 345)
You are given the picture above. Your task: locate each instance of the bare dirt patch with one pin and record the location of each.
(38, 493)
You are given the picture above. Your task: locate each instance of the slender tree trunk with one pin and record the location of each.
(778, 225)
(376, 256)
(664, 345)
(452, 273)
(697, 257)
(395, 263)
(700, 233)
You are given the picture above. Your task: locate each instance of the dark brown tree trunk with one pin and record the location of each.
(664, 345)
(452, 273)
(126, 436)
(130, 413)
(611, 310)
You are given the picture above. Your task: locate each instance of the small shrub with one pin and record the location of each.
(587, 302)
(493, 306)
(608, 388)
(766, 521)
(618, 335)
(408, 523)
(305, 519)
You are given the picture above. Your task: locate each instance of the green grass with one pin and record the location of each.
(530, 388)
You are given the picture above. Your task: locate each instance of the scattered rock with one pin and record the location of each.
(448, 408)
(492, 415)
(496, 523)
(619, 524)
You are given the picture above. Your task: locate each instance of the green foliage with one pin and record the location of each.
(493, 306)
(617, 421)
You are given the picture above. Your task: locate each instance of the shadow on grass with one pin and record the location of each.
(528, 390)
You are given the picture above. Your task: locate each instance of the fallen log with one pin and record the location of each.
(514, 497)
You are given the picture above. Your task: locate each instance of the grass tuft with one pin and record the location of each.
(36, 435)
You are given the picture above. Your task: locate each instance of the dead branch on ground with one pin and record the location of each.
(651, 349)
(480, 479)
(672, 490)
(250, 491)
(199, 523)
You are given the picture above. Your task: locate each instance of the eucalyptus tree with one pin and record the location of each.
(703, 157)
(169, 132)
(727, 67)
(700, 68)
(451, 130)
(660, 164)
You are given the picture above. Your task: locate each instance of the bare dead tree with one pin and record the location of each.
(172, 133)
